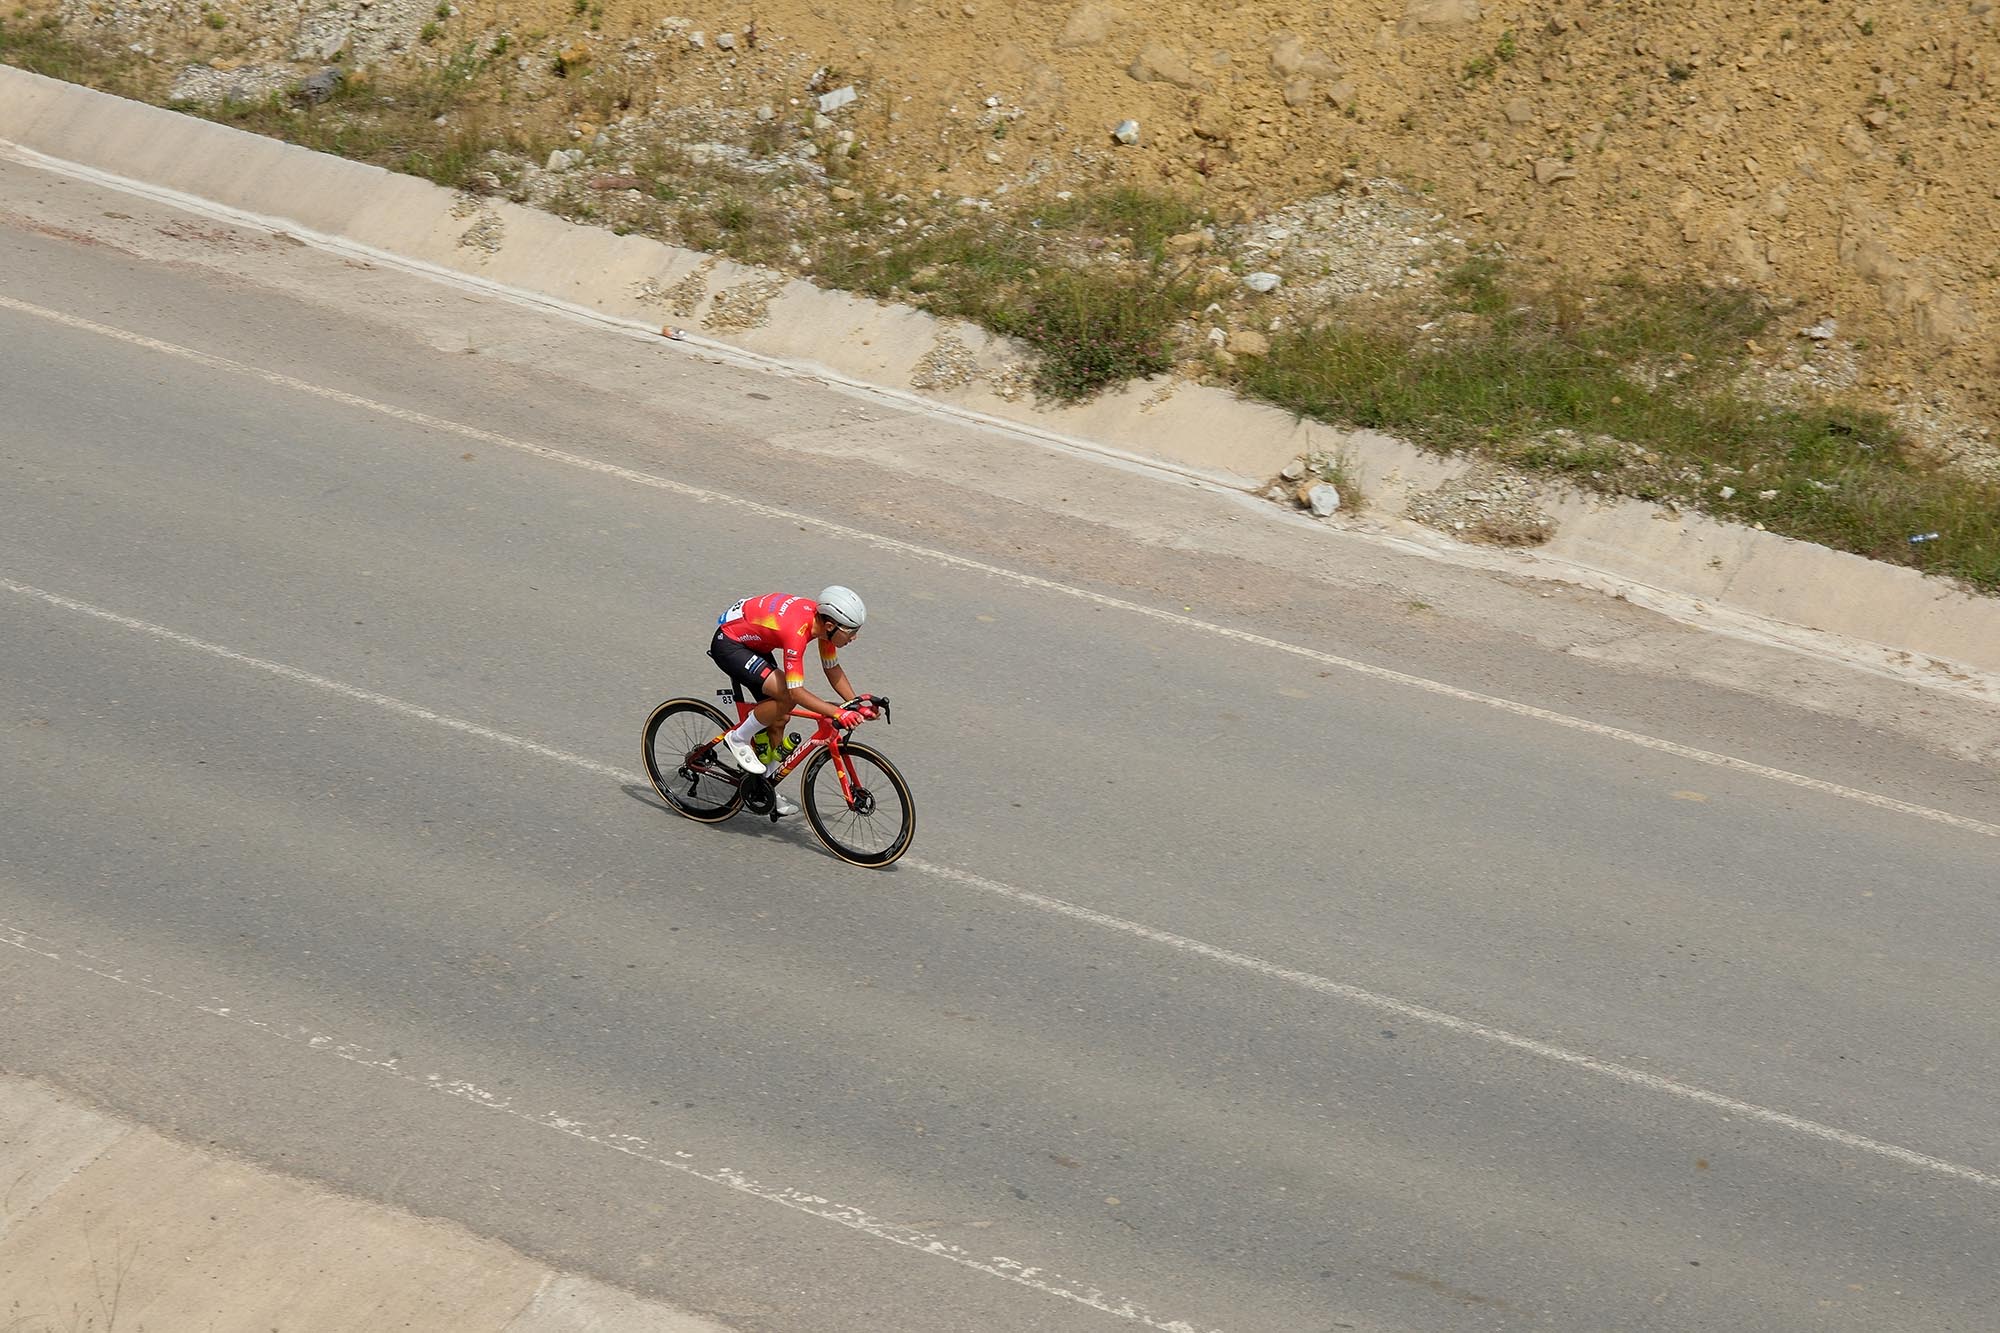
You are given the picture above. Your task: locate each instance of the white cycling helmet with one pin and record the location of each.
(843, 607)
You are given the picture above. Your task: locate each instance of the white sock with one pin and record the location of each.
(747, 730)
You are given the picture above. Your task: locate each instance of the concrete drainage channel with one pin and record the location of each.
(102, 1216)
(1723, 576)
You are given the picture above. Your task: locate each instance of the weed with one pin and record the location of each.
(216, 19)
(1484, 66)
(1678, 72)
(766, 139)
(1146, 217)
(1093, 329)
(500, 44)
(1868, 27)
(1598, 387)
(429, 33)
(41, 46)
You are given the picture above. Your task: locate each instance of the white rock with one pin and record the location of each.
(1727, 492)
(1823, 331)
(1127, 132)
(838, 98)
(765, 115)
(1216, 337)
(1323, 499)
(697, 40)
(1294, 470)
(725, 41)
(1261, 282)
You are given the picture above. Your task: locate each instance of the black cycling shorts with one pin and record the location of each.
(744, 665)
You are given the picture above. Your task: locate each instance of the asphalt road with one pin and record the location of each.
(1226, 984)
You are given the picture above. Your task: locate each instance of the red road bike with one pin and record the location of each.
(855, 800)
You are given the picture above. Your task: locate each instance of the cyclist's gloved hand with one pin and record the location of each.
(867, 709)
(851, 718)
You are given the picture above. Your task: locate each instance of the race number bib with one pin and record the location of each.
(733, 613)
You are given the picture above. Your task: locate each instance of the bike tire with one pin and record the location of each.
(841, 827)
(672, 733)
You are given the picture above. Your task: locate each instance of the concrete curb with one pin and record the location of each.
(100, 1216)
(1685, 564)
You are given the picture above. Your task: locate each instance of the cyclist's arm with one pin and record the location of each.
(836, 676)
(804, 700)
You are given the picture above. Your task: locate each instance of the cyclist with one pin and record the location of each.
(757, 630)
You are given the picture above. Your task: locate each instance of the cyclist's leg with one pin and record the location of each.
(770, 712)
(747, 669)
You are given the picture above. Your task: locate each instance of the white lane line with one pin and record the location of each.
(1032, 1276)
(946, 558)
(1637, 1078)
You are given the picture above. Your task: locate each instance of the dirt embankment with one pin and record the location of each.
(1842, 157)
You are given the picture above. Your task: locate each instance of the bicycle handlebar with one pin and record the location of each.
(879, 702)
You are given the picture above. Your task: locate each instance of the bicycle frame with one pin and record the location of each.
(826, 735)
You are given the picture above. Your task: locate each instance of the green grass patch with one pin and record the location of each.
(40, 46)
(1145, 217)
(1633, 390)
(1094, 329)
(1091, 325)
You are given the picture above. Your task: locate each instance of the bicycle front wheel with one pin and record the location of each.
(869, 820)
(678, 744)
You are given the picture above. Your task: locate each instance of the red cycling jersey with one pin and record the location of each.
(778, 622)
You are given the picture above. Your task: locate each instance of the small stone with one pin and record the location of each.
(1518, 111)
(1127, 132)
(838, 98)
(1823, 331)
(1294, 470)
(765, 115)
(1727, 492)
(1322, 498)
(317, 88)
(1549, 170)
(725, 41)
(1249, 342)
(1262, 283)
(698, 40)
(1156, 64)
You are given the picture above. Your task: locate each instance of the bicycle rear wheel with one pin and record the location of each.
(678, 744)
(870, 824)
